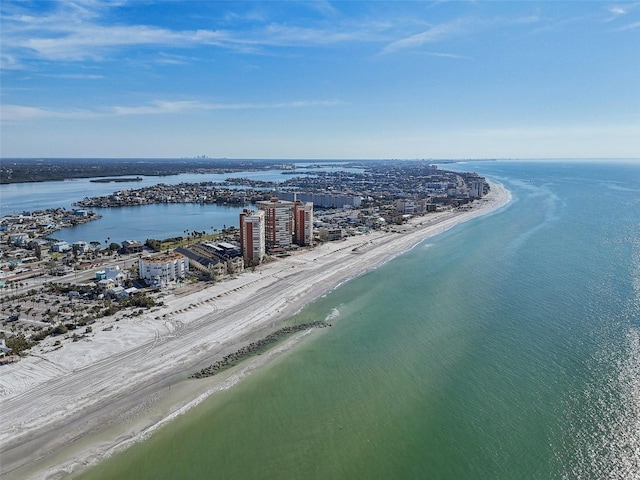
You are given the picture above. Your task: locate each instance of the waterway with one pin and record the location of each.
(139, 222)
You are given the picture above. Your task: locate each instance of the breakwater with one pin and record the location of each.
(253, 348)
(116, 180)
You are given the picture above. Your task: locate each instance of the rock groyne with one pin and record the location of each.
(253, 348)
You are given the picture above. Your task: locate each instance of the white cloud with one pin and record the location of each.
(22, 113)
(172, 59)
(322, 6)
(622, 8)
(92, 41)
(77, 31)
(75, 76)
(617, 10)
(447, 55)
(9, 62)
(166, 107)
(452, 29)
(433, 34)
(159, 107)
(631, 26)
(284, 35)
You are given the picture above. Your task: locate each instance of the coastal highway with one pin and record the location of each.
(39, 276)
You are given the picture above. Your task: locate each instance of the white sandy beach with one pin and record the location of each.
(64, 409)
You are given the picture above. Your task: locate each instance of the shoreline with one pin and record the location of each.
(64, 410)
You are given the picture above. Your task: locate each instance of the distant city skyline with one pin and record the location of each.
(317, 79)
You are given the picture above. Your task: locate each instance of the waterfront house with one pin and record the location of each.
(132, 246)
(80, 247)
(60, 247)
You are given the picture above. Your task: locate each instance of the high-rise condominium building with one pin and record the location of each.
(303, 223)
(287, 222)
(278, 222)
(252, 236)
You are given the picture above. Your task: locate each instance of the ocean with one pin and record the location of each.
(505, 348)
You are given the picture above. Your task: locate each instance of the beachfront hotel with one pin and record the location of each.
(159, 271)
(252, 236)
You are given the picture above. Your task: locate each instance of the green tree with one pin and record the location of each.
(18, 343)
(154, 244)
(59, 330)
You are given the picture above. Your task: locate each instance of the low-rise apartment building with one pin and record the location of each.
(159, 271)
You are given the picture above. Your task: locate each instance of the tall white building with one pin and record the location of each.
(158, 271)
(287, 222)
(476, 188)
(278, 222)
(252, 236)
(405, 206)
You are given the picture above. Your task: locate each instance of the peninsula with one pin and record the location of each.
(66, 408)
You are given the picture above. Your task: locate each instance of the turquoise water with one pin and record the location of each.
(506, 348)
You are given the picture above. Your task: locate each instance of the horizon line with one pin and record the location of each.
(317, 159)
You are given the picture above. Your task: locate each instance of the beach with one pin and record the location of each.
(64, 409)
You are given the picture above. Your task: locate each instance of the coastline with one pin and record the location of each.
(66, 409)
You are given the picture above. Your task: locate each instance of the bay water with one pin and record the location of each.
(505, 348)
(141, 222)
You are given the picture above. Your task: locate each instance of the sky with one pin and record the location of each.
(320, 79)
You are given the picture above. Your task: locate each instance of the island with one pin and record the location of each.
(100, 356)
(116, 180)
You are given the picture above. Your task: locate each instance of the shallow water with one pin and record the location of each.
(507, 347)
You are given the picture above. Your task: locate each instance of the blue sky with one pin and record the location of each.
(318, 79)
